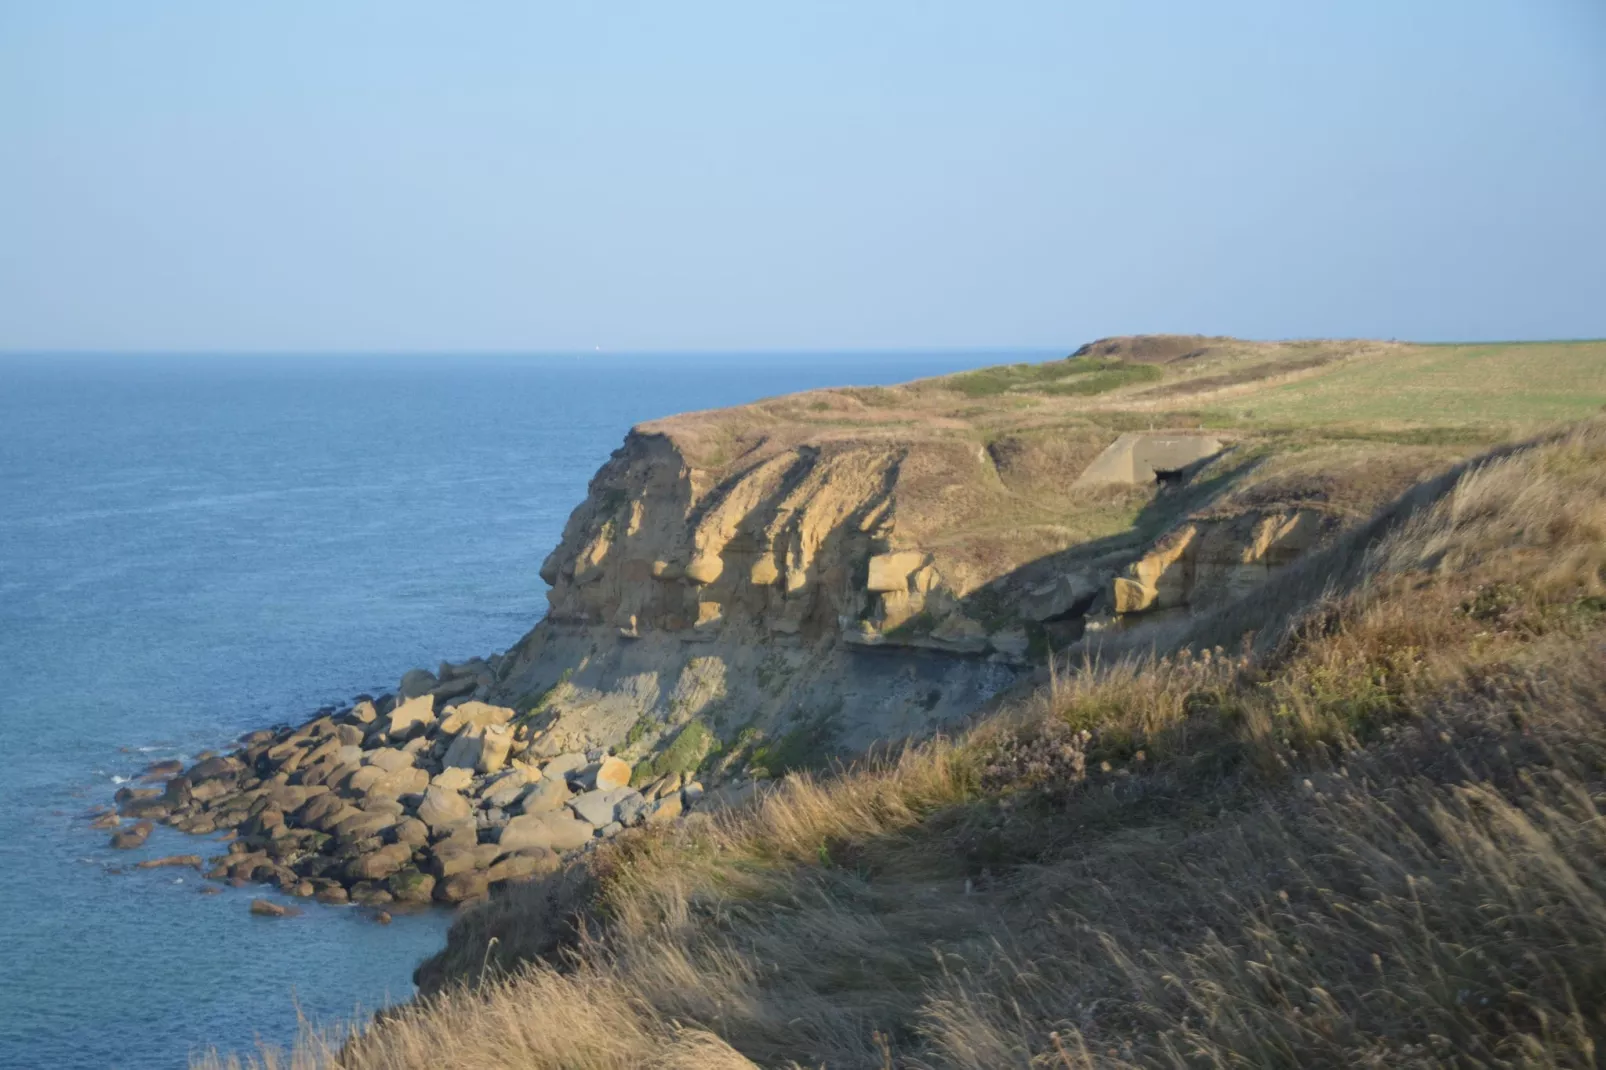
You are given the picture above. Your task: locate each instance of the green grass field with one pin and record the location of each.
(1510, 384)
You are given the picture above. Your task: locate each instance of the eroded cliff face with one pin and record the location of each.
(808, 576)
(780, 545)
(744, 600)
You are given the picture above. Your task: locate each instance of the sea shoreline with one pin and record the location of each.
(425, 796)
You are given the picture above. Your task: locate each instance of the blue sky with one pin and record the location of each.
(689, 175)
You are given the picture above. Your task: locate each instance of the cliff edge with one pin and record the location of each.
(771, 586)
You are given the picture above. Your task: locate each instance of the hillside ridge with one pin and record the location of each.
(1349, 817)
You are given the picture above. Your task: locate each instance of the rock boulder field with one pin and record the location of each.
(415, 800)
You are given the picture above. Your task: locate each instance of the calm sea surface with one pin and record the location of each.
(191, 548)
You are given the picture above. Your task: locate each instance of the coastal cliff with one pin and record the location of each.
(795, 583)
(783, 583)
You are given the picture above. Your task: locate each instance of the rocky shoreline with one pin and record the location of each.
(428, 795)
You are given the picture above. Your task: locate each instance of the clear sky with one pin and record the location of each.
(680, 174)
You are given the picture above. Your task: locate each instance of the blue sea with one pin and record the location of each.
(194, 547)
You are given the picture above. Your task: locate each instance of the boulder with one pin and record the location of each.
(410, 718)
(564, 764)
(558, 831)
(363, 713)
(361, 826)
(323, 751)
(414, 781)
(631, 809)
(665, 809)
(610, 773)
(408, 885)
(166, 768)
(1058, 597)
(281, 751)
(464, 753)
(484, 750)
(449, 858)
(262, 823)
(369, 893)
(156, 809)
(455, 688)
(462, 887)
(550, 793)
(505, 790)
(389, 759)
(193, 861)
(322, 811)
(664, 785)
(264, 908)
(494, 747)
(131, 837)
(292, 797)
(208, 790)
(409, 781)
(221, 767)
(441, 808)
(363, 779)
(600, 807)
(474, 714)
(515, 867)
(546, 859)
(416, 682)
(334, 770)
(453, 778)
(411, 831)
(377, 865)
(331, 893)
(463, 833)
(375, 804)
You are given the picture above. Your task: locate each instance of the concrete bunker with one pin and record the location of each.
(1139, 457)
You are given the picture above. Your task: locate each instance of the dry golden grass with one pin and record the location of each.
(1372, 840)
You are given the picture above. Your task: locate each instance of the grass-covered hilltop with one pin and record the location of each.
(1187, 702)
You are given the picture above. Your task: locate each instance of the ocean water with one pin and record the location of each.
(191, 548)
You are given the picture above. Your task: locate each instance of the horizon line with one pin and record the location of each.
(901, 350)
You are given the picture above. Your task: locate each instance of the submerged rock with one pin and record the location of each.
(266, 908)
(131, 837)
(193, 861)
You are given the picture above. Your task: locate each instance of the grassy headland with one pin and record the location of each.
(1348, 819)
